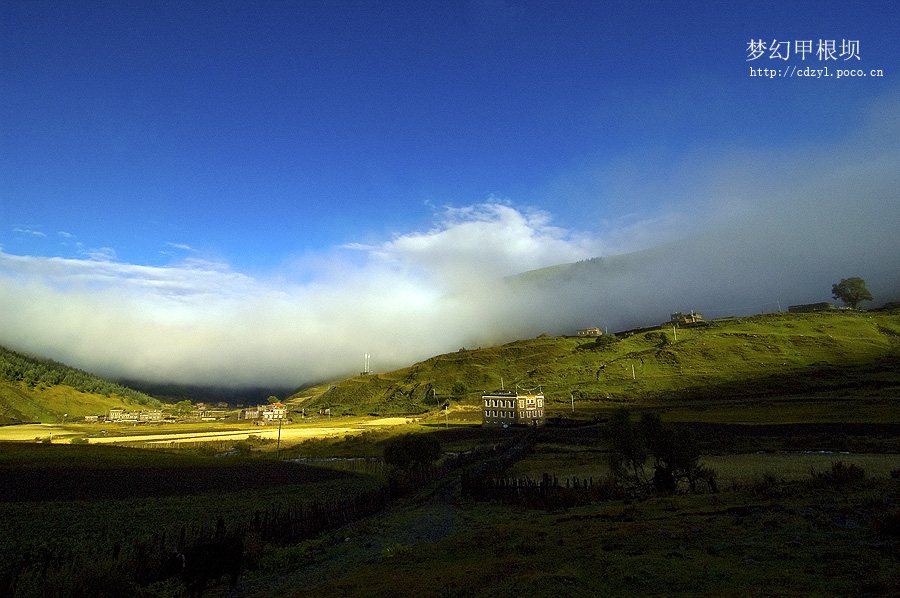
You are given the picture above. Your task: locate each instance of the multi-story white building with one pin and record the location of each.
(506, 408)
(274, 413)
(118, 414)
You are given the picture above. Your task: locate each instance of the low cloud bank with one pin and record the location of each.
(761, 232)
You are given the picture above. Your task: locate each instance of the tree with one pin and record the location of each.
(851, 291)
(675, 453)
(412, 451)
(629, 452)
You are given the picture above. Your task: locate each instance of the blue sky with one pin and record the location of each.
(183, 163)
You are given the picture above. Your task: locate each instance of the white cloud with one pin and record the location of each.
(481, 244)
(200, 321)
(27, 231)
(181, 246)
(100, 254)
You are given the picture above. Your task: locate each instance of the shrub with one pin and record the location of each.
(888, 524)
(675, 453)
(411, 451)
(394, 550)
(459, 389)
(277, 559)
(767, 486)
(840, 475)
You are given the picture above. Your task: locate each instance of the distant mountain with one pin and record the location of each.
(173, 393)
(590, 270)
(35, 389)
(766, 355)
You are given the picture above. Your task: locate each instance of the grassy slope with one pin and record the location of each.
(834, 354)
(21, 403)
(34, 389)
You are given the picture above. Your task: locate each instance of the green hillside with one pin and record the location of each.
(775, 355)
(43, 390)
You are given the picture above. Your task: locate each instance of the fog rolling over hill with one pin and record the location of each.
(729, 271)
(767, 233)
(743, 230)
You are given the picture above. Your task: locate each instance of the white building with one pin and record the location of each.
(509, 408)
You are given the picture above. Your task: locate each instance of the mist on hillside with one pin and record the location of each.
(745, 231)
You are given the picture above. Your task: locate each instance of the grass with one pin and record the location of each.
(841, 356)
(20, 402)
(772, 530)
(744, 469)
(788, 410)
(78, 503)
(39, 472)
(820, 543)
(586, 461)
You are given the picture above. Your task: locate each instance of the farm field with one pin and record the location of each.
(789, 539)
(732, 469)
(171, 435)
(770, 510)
(781, 524)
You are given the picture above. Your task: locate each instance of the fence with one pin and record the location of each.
(548, 493)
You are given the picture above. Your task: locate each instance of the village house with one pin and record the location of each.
(810, 308)
(506, 408)
(150, 415)
(249, 413)
(590, 332)
(274, 413)
(119, 414)
(681, 319)
(265, 414)
(205, 414)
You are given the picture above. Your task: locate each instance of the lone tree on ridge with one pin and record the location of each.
(851, 291)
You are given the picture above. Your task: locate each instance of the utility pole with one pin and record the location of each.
(278, 444)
